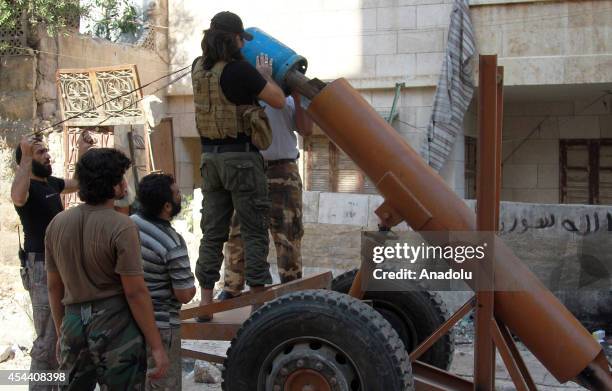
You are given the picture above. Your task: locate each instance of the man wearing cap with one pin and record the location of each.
(233, 128)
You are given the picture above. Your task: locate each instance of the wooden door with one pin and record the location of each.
(162, 146)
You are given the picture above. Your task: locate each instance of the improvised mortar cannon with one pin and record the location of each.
(321, 340)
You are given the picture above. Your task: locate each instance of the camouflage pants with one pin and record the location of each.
(285, 192)
(171, 338)
(43, 348)
(234, 181)
(101, 343)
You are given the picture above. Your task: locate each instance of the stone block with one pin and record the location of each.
(368, 19)
(407, 17)
(420, 41)
(548, 176)
(422, 2)
(17, 105)
(588, 107)
(588, 69)
(536, 152)
(17, 73)
(518, 128)
(181, 152)
(408, 117)
(46, 90)
(382, 98)
(433, 15)
(367, 4)
(453, 173)
(379, 44)
(514, 109)
(423, 116)
(507, 194)
(186, 174)
(418, 96)
(540, 196)
(520, 176)
(357, 66)
(183, 125)
(401, 65)
(331, 246)
(343, 208)
(588, 40)
(526, 43)
(549, 129)
(579, 127)
(489, 39)
(605, 126)
(533, 71)
(429, 64)
(310, 206)
(48, 110)
(386, 18)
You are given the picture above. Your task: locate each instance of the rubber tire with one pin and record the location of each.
(422, 312)
(351, 325)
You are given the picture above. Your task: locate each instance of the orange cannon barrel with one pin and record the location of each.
(417, 194)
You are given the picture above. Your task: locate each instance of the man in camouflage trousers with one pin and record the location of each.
(285, 193)
(100, 303)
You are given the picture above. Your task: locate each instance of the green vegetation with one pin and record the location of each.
(103, 18)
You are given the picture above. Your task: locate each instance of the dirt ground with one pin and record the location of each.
(16, 329)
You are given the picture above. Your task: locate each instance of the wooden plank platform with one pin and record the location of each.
(222, 327)
(318, 281)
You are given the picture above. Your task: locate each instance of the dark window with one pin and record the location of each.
(586, 171)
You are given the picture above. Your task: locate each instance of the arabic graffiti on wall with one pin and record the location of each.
(587, 224)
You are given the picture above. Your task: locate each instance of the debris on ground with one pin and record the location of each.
(205, 372)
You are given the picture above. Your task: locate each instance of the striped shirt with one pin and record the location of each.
(166, 267)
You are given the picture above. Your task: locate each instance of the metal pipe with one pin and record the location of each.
(417, 194)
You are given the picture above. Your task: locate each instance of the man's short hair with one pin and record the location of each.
(98, 171)
(153, 193)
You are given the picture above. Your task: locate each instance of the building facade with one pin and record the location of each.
(556, 54)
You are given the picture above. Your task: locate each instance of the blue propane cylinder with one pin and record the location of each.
(284, 58)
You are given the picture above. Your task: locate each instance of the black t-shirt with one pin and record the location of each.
(241, 83)
(43, 204)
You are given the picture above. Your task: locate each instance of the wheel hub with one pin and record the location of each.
(307, 380)
(311, 366)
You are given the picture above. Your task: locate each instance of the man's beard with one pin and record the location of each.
(176, 208)
(41, 170)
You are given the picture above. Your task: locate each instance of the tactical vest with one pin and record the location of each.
(216, 116)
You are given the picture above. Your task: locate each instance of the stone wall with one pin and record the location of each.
(17, 95)
(540, 43)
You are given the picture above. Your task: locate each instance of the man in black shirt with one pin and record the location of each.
(36, 196)
(232, 127)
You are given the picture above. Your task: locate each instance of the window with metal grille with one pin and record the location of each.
(585, 171)
(331, 170)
